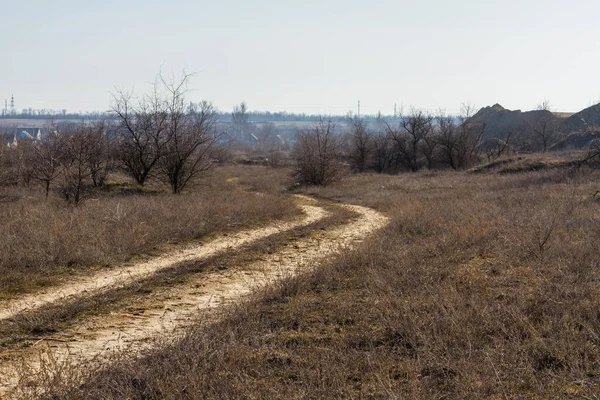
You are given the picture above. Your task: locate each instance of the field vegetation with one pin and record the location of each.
(484, 285)
(94, 194)
(46, 239)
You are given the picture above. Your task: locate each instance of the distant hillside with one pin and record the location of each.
(577, 140)
(500, 120)
(573, 131)
(584, 120)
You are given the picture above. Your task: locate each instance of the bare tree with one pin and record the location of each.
(382, 154)
(448, 142)
(544, 127)
(99, 153)
(75, 173)
(429, 146)
(544, 105)
(165, 133)
(191, 137)
(459, 139)
(142, 131)
(7, 167)
(469, 135)
(45, 159)
(316, 154)
(361, 144)
(239, 117)
(407, 139)
(21, 154)
(500, 147)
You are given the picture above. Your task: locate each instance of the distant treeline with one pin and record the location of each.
(253, 116)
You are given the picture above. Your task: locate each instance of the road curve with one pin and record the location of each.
(123, 275)
(99, 337)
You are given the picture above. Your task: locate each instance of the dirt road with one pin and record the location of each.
(175, 308)
(121, 276)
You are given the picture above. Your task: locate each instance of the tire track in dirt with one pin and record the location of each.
(121, 276)
(177, 308)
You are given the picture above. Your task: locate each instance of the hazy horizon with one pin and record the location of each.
(305, 57)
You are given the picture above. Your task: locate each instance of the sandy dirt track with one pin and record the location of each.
(174, 309)
(121, 276)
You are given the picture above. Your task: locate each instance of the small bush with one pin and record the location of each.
(316, 154)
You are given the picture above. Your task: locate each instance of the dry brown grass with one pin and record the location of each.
(532, 162)
(255, 178)
(29, 327)
(482, 286)
(42, 240)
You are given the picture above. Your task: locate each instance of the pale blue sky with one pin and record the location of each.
(305, 56)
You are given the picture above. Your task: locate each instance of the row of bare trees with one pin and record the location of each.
(70, 159)
(158, 136)
(419, 140)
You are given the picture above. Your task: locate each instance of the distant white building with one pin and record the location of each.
(25, 133)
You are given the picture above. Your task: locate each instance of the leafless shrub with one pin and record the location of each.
(316, 155)
(8, 174)
(142, 130)
(499, 147)
(22, 167)
(544, 128)
(459, 142)
(382, 154)
(45, 158)
(99, 143)
(447, 142)
(361, 145)
(191, 139)
(78, 158)
(279, 158)
(407, 138)
(429, 147)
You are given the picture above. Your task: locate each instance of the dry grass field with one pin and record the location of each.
(483, 285)
(44, 240)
